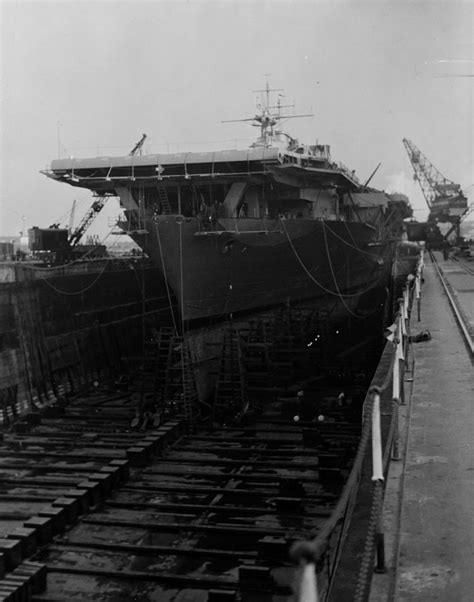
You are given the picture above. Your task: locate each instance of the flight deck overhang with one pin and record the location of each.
(104, 174)
(101, 173)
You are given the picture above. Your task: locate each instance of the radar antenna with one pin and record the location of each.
(265, 119)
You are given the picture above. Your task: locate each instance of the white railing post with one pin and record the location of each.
(396, 391)
(377, 476)
(396, 371)
(402, 333)
(419, 275)
(418, 294)
(309, 587)
(377, 461)
(406, 302)
(402, 313)
(407, 322)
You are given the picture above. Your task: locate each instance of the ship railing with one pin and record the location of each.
(84, 179)
(314, 584)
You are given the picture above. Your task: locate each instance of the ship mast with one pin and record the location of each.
(268, 120)
(265, 119)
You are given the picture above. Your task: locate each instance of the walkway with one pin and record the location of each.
(429, 504)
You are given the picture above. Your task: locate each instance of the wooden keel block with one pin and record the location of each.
(7, 594)
(138, 456)
(114, 472)
(93, 490)
(149, 446)
(70, 505)
(11, 548)
(37, 572)
(124, 467)
(27, 537)
(18, 587)
(82, 496)
(155, 443)
(104, 480)
(24, 578)
(57, 516)
(43, 526)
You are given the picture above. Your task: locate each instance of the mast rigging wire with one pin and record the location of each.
(175, 326)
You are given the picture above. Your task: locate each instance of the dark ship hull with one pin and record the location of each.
(241, 230)
(224, 271)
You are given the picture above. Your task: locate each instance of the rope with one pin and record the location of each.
(335, 280)
(300, 261)
(333, 274)
(80, 292)
(349, 244)
(366, 570)
(348, 230)
(175, 326)
(90, 285)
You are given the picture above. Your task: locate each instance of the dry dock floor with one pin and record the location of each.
(429, 503)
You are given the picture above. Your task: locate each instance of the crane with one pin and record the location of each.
(96, 207)
(87, 220)
(444, 197)
(137, 149)
(466, 214)
(71, 218)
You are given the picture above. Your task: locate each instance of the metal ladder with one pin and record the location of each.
(179, 383)
(164, 200)
(231, 385)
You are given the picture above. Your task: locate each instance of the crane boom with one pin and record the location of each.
(432, 182)
(87, 220)
(444, 197)
(137, 149)
(71, 218)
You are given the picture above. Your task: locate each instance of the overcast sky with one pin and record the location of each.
(88, 78)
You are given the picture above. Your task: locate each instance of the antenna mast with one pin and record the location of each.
(266, 120)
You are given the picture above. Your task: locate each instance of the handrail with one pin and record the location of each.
(308, 554)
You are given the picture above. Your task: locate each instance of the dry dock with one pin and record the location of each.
(97, 508)
(429, 513)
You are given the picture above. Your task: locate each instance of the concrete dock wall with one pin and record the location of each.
(58, 330)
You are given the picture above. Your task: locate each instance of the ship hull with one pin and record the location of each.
(250, 264)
